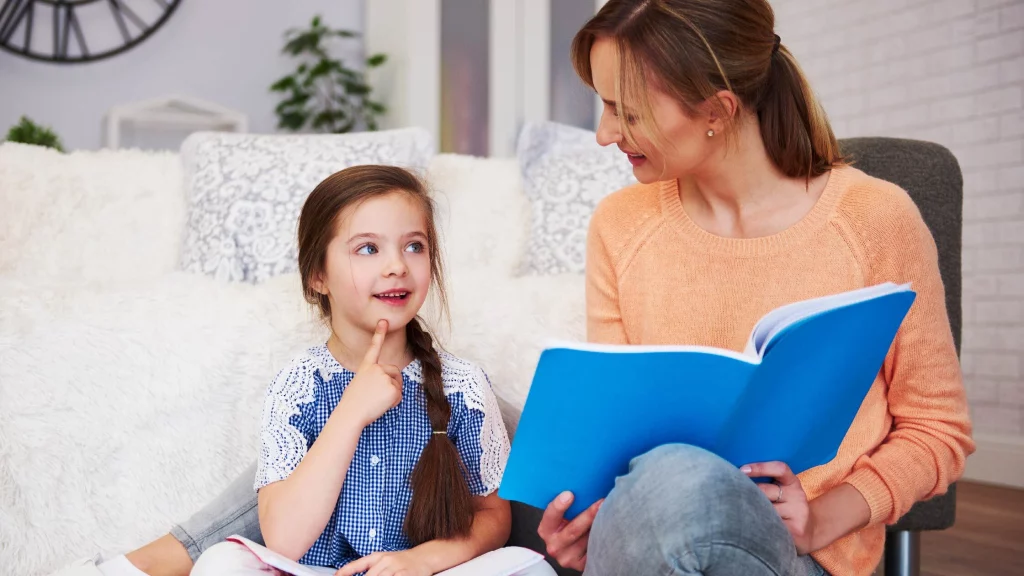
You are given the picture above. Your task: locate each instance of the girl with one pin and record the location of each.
(744, 204)
(363, 465)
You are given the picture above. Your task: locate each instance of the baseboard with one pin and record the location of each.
(998, 460)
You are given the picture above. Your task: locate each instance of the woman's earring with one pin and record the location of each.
(711, 133)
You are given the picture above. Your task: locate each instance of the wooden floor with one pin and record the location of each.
(988, 538)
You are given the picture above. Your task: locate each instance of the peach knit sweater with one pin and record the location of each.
(655, 277)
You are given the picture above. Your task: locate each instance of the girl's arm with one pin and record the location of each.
(294, 512)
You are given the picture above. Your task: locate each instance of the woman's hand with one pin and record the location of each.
(790, 501)
(402, 563)
(376, 388)
(567, 541)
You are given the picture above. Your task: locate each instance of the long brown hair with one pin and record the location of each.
(692, 49)
(442, 505)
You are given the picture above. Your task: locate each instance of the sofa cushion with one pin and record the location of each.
(89, 217)
(482, 214)
(245, 192)
(565, 174)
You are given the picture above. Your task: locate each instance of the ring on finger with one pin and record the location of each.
(778, 499)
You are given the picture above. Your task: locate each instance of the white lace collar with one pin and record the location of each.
(329, 365)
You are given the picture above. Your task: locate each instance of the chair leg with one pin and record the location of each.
(903, 553)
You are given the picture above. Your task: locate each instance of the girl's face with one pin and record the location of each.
(378, 264)
(690, 145)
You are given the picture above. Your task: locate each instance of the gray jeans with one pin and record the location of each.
(684, 511)
(679, 511)
(232, 512)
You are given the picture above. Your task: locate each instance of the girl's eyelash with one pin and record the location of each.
(360, 250)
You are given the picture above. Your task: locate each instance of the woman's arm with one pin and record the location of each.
(835, 514)
(816, 524)
(930, 438)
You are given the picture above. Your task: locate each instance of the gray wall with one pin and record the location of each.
(225, 51)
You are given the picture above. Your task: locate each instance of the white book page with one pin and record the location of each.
(642, 349)
(282, 563)
(506, 561)
(775, 321)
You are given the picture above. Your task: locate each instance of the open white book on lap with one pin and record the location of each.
(501, 562)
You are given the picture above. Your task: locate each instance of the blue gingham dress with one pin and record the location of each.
(376, 493)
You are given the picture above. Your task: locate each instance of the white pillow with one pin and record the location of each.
(245, 192)
(95, 217)
(483, 215)
(565, 174)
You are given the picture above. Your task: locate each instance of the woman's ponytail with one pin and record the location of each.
(794, 128)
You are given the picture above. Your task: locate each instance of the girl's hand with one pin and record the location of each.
(376, 388)
(567, 541)
(402, 563)
(790, 501)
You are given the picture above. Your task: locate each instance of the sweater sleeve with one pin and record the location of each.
(930, 439)
(604, 317)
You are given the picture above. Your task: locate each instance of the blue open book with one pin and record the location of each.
(791, 396)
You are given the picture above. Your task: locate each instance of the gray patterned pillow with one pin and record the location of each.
(565, 174)
(245, 192)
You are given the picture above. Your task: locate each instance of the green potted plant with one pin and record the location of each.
(323, 94)
(28, 132)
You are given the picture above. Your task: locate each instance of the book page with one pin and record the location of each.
(777, 320)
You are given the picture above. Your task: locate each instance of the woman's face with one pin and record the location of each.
(688, 144)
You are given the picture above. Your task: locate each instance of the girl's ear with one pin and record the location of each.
(318, 284)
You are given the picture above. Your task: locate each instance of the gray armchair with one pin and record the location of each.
(931, 175)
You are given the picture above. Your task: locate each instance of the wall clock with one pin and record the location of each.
(74, 31)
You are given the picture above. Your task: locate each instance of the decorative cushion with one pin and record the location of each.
(565, 174)
(245, 192)
(101, 218)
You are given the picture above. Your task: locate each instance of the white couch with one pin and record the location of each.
(130, 391)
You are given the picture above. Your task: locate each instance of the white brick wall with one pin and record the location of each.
(949, 71)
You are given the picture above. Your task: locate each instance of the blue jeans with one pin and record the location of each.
(684, 511)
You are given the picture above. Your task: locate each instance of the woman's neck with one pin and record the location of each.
(348, 344)
(742, 194)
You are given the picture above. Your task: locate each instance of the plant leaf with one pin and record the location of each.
(356, 88)
(286, 83)
(376, 60)
(293, 120)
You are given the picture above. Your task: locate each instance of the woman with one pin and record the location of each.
(745, 204)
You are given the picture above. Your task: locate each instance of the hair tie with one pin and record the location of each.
(445, 432)
(775, 47)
